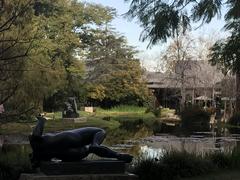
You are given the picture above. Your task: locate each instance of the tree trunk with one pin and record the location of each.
(183, 98)
(237, 109)
(193, 96)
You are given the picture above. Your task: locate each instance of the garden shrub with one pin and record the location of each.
(235, 157)
(235, 119)
(183, 164)
(221, 160)
(173, 165)
(195, 118)
(155, 110)
(148, 169)
(151, 107)
(156, 127)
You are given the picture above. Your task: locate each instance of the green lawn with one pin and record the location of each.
(106, 119)
(57, 125)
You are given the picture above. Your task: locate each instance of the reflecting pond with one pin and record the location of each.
(218, 139)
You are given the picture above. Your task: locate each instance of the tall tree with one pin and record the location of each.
(67, 23)
(163, 19)
(40, 40)
(226, 55)
(114, 72)
(179, 59)
(16, 41)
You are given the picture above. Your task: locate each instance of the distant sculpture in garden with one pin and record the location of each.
(70, 146)
(70, 108)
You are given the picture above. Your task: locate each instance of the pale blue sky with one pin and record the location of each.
(132, 31)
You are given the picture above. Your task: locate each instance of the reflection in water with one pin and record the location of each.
(219, 139)
(192, 144)
(16, 155)
(150, 152)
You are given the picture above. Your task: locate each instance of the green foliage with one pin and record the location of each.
(16, 39)
(41, 40)
(221, 160)
(235, 119)
(156, 127)
(178, 165)
(151, 167)
(225, 53)
(123, 109)
(159, 19)
(155, 110)
(173, 165)
(115, 76)
(183, 164)
(96, 92)
(115, 116)
(164, 19)
(151, 107)
(195, 118)
(226, 160)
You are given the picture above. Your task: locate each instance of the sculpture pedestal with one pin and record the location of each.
(83, 167)
(83, 170)
(75, 120)
(79, 177)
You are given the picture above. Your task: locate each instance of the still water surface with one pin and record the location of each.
(217, 140)
(153, 146)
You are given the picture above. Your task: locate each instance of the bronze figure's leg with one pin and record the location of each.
(74, 154)
(99, 138)
(103, 151)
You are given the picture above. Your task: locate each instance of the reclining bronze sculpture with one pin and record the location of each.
(70, 146)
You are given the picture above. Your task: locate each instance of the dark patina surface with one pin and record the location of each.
(70, 146)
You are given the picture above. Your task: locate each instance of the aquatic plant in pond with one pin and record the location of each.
(172, 165)
(175, 165)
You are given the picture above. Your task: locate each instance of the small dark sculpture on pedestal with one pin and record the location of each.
(70, 108)
(70, 146)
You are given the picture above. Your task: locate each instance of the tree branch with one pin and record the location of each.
(4, 117)
(9, 95)
(15, 15)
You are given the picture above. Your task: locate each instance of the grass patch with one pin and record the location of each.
(123, 109)
(182, 165)
(56, 126)
(106, 119)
